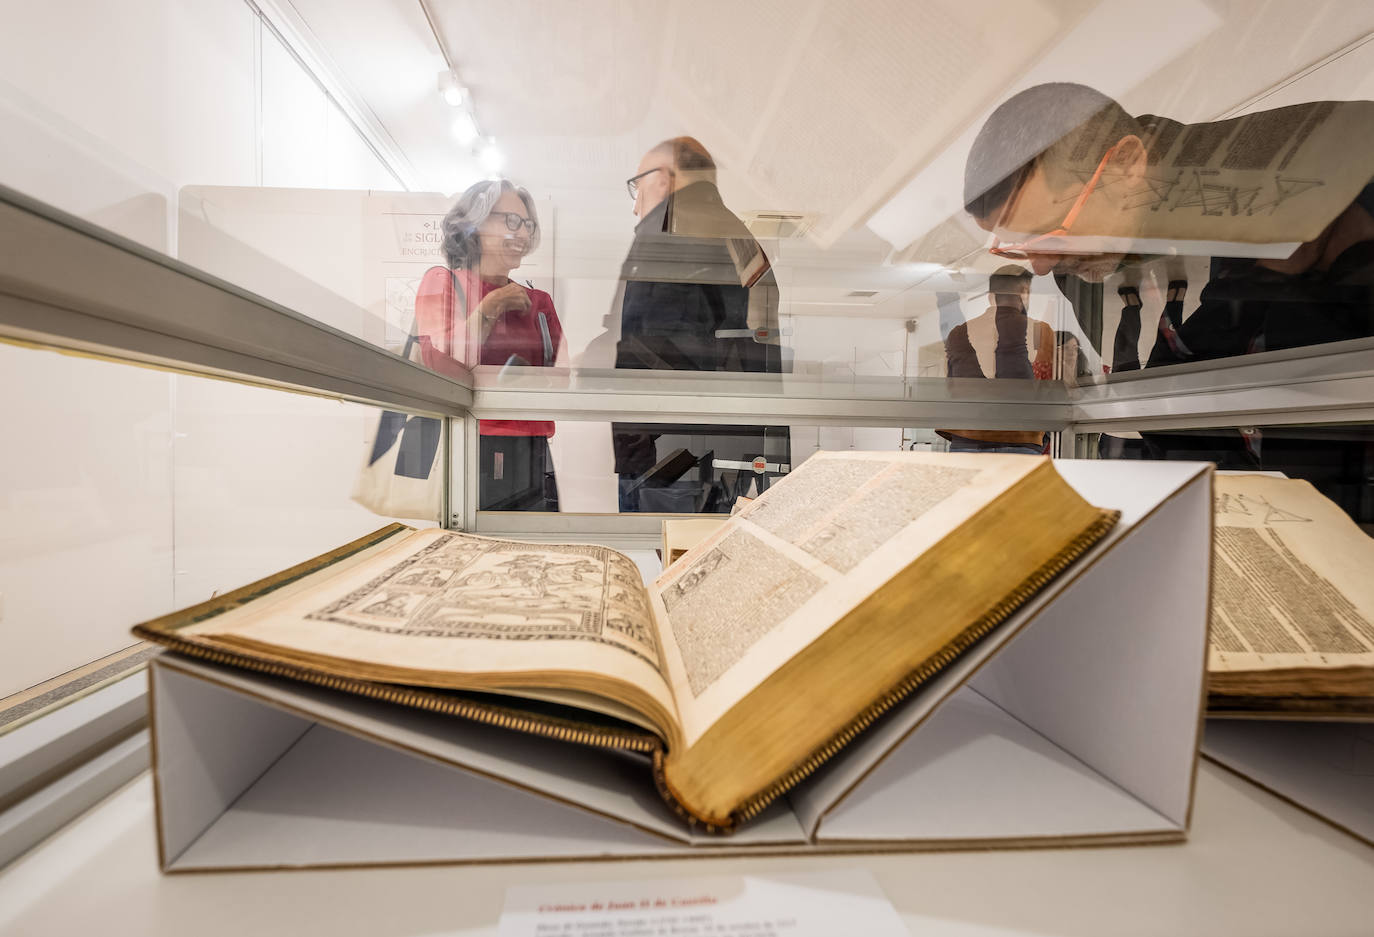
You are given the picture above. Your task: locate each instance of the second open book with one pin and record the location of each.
(744, 667)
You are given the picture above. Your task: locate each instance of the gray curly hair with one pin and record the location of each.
(462, 247)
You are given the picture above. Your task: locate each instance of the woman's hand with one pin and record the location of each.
(511, 296)
(498, 302)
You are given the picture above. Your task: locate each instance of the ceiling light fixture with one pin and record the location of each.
(454, 93)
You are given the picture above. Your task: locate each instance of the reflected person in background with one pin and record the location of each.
(697, 294)
(471, 312)
(693, 272)
(1126, 347)
(1069, 181)
(1013, 344)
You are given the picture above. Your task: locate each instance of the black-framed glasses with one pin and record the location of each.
(632, 183)
(515, 221)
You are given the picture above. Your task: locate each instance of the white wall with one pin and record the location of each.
(85, 509)
(127, 492)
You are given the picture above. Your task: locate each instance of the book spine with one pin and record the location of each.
(552, 727)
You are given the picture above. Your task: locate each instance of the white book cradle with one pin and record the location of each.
(1074, 723)
(1324, 767)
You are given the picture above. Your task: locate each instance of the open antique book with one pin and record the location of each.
(746, 665)
(1292, 602)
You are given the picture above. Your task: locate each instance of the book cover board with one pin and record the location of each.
(1075, 723)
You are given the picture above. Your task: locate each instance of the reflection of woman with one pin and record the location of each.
(472, 313)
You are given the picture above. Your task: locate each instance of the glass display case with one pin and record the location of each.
(266, 286)
(1101, 267)
(1142, 265)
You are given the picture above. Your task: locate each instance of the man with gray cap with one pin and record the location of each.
(1072, 184)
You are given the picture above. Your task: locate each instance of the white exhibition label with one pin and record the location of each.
(816, 904)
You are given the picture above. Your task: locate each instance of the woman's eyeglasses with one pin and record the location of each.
(515, 221)
(632, 183)
(1046, 242)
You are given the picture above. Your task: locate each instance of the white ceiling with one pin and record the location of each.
(583, 69)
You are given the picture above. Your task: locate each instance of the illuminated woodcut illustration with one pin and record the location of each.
(461, 587)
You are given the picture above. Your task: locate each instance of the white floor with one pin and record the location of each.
(1253, 866)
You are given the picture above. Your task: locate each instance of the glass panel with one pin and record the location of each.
(821, 197)
(663, 468)
(86, 510)
(850, 228)
(1338, 459)
(596, 467)
(742, 205)
(265, 479)
(804, 198)
(106, 110)
(129, 492)
(197, 132)
(313, 231)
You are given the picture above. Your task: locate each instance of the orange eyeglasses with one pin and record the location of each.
(1024, 249)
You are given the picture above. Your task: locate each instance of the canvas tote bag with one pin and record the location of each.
(400, 476)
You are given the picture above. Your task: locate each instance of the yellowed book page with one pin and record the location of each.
(443, 602)
(775, 577)
(1292, 579)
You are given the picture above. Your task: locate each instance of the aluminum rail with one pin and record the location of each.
(1319, 384)
(752, 399)
(66, 283)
